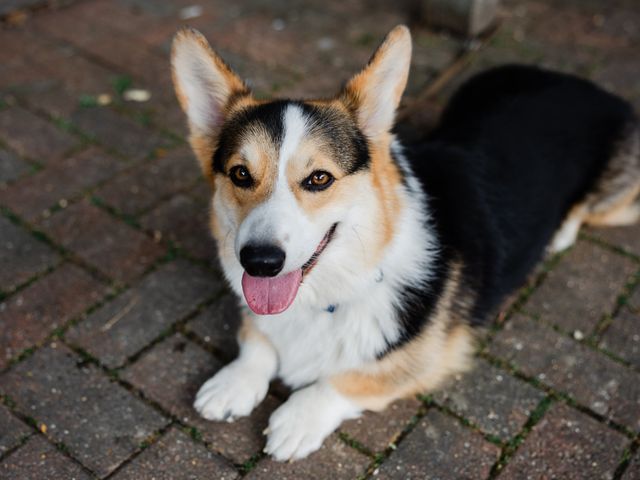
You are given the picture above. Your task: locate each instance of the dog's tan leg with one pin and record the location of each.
(622, 217)
(611, 203)
(567, 234)
(624, 212)
(237, 388)
(421, 367)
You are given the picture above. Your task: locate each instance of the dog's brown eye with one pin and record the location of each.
(240, 176)
(318, 180)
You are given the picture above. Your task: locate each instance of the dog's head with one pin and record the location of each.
(299, 186)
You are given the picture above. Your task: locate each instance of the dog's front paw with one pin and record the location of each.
(300, 426)
(231, 393)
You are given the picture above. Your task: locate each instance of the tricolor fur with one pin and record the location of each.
(369, 265)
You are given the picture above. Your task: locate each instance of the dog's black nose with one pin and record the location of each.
(262, 260)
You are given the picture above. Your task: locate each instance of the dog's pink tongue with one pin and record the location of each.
(271, 295)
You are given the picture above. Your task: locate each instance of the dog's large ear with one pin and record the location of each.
(374, 93)
(204, 83)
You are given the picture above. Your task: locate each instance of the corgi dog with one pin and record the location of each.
(363, 266)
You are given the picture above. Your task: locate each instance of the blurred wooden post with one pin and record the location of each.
(466, 17)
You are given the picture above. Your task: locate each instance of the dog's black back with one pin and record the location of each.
(516, 148)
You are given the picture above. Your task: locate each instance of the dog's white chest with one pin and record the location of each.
(320, 343)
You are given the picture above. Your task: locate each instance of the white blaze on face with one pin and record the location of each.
(295, 129)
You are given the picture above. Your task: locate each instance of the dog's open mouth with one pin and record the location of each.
(273, 295)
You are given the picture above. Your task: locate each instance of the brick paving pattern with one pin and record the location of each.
(113, 309)
(12, 431)
(176, 455)
(439, 446)
(562, 445)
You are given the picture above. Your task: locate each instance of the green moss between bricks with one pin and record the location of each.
(250, 464)
(511, 447)
(121, 83)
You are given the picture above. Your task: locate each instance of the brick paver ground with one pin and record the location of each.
(113, 309)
